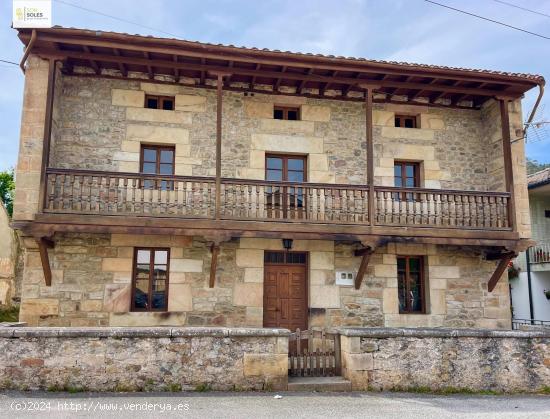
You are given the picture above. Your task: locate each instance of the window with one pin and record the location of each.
(159, 102)
(406, 121)
(157, 160)
(150, 279)
(290, 114)
(406, 174)
(411, 284)
(547, 213)
(285, 201)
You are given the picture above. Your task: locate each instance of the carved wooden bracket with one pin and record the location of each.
(366, 253)
(504, 260)
(43, 245)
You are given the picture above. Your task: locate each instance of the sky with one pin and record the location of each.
(400, 30)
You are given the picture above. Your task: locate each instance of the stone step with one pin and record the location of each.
(336, 384)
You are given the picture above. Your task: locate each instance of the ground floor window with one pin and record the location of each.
(150, 279)
(411, 284)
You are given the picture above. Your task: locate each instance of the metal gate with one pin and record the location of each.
(313, 353)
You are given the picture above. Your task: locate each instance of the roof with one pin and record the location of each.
(182, 58)
(539, 178)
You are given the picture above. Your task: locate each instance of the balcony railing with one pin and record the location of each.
(540, 253)
(112, 193)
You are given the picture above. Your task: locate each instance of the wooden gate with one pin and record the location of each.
(313, 353)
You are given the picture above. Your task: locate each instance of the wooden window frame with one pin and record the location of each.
(160, 102)
(417, 169)
(285, 158)
(285, 110)
(423, 282)
(151, 264)
(158, 149)
(403, 117)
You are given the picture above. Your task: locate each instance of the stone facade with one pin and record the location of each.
(91, 284)
(100, 123)
(143, 359)
(446, 360)
(8, 258)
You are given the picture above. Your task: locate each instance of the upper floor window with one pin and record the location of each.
(406, 174)
(411, 284)
(159, 102)
(150, 279)
(157, 160)
(406, 121)
(547, 213)
(287, 113)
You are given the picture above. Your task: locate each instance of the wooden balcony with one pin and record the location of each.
(129, 194)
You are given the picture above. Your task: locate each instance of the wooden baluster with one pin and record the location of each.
(452, 210)
(498, 205)
(320, 212)
(52, 181)
(258, 214)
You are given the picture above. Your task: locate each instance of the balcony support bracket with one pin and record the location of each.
(504, 260)
(215, 250)
(366, 254)
(44, 244)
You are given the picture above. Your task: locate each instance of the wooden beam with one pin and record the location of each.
(93, 63)
(279, 79)
(203, 72)
(498, 256)
(303, 82)
(501, 267)
(43, 245)
(326, 85)
(253, 79)
(363, 267)
(215, 249)
(278, 75)
(121, 66)
(219, 93)
(507, 154)
(370, 153)
(176, 70)
(47, 134)
(149, 65)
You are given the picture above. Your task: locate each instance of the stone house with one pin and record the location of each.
(168, 182)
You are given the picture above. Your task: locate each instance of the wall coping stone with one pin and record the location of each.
(390, 332)
(134, 332)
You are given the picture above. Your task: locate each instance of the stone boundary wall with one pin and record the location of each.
(143, 359)
(446, 359)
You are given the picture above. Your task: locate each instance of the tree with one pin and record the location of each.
(534, 166)
(7, 189)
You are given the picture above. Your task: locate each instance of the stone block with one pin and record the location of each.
(160, 89)
(296, 101)
(408, 133)
(253, 275)
(385, 271)
(91, 305)
(190, 103)
(318, 161)
(389, 259)
(317, 176)
(248, 294)
(384, 118)
(186, 265)
(287, 127)
(431, 121)
(163, 135)
(136, 319)
(313, 245)
(257, 109)
(390, 301)
(287, 143)
(117, 298)
(324, 296)
(265, 365)
(250, 258)
(261, 243)
(116, 264)
(359, 362)
(315, 113)
(257, 159)
(321, 260)
(180, 297)
(158, 115)
(39, 307)
(321, 277)
(350, 344)
(445, 272)
(123, 97)
(438, 303)
(410, 249)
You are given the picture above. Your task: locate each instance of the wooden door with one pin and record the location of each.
(285, 292)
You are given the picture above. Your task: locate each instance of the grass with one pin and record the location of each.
(446, 391)
(203, 387)
(9, 314)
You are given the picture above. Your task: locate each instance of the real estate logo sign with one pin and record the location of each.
(32, 13)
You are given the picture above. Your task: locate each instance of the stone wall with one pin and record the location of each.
(102, 123)
(91, 284)
(446, 360)
(8, 257)
(143, 359)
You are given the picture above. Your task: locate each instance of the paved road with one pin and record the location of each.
(264, 405)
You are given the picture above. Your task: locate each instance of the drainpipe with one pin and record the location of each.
(535, 107)
(528, 262)
(28, 51)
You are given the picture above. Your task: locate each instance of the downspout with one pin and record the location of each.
(535, 107)
(530, 292)
(28, 50)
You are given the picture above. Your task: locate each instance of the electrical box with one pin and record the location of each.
(345, 278)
